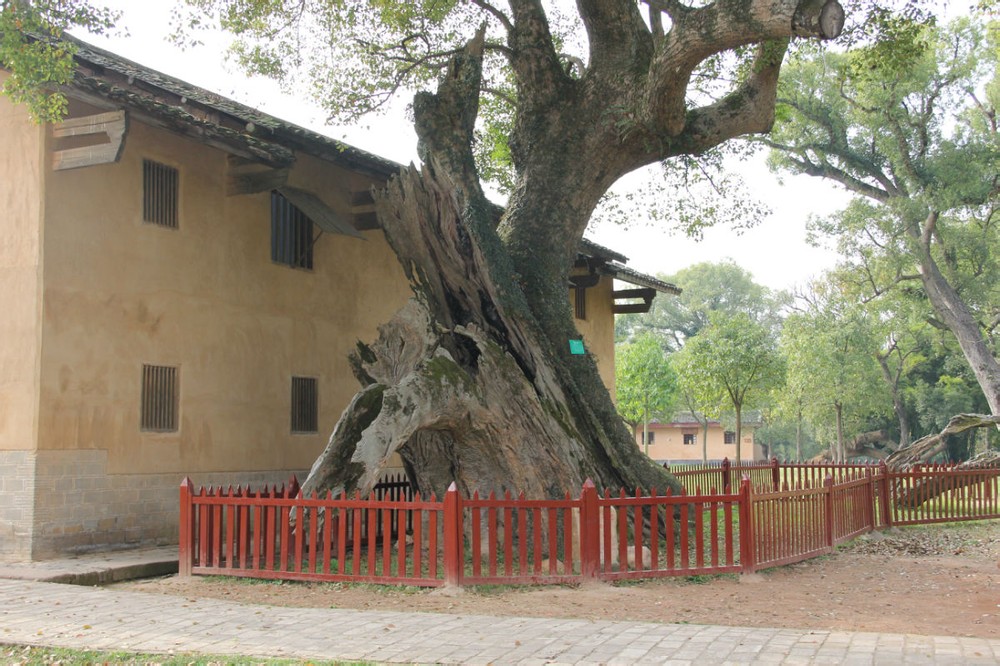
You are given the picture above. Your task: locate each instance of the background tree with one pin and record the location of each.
(645, 383)
(829, 348)
(473, 381)
(731, 363)
(915, 137)
(706, 287)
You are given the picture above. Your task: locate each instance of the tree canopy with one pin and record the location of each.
(915, 138)
(731, 363)
(645, 382)
(707, 287)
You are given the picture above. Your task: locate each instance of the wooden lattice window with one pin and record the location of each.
(580, 303)
(159, 194)
(305, 405)
(291, 234)
(159, 398)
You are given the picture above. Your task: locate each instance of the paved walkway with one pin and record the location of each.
(43, 613)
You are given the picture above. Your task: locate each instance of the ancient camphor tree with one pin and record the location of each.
(473, 381)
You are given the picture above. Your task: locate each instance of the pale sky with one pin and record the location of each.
(775, 252)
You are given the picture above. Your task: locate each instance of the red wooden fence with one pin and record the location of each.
(765, 473)
(277, 533)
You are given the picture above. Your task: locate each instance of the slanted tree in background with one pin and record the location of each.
(730, 364)
(645, 383)
(914, 136)
(473, 382)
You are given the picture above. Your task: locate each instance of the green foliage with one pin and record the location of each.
(31, 52)
(707, 287)
(831, 369)
(646, 383)
(732, 363)
(909, 126)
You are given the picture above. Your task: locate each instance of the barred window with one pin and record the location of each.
(159, 194)
(159, 398)
(729, 437)
(291, 234)
(580, 303)
(688, 439)
(305, 405)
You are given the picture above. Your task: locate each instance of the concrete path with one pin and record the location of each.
(43, 613)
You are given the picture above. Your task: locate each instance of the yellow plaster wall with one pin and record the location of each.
(22, 166)
(598, 329)
(205, 297)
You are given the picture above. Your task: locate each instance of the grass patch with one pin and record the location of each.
(29, 655)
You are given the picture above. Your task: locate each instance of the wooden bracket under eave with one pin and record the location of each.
(248, 177)
(646, 294)
(113, 124)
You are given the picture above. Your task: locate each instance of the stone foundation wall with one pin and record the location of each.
(17, 506)
(64, 502)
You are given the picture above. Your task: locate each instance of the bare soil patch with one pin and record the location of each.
(931, 580)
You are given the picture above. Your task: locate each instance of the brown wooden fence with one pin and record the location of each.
(278, 533)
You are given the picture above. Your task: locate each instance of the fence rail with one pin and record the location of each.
(278, 533)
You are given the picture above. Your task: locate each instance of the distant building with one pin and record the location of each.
(680, 441)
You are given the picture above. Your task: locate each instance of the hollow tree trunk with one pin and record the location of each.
(461, 383)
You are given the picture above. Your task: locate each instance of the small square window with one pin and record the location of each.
(159, 194)
(729, 437)
(305, 405)
(688, 439)
(159, 398)
(291, 234)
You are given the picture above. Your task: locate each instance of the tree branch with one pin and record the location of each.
(619, 39)
(496, 13)
(749, 109)
(445, 121)
(538, 73)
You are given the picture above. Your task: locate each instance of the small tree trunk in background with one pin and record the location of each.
(739, 432)
(645, 431)
(839, 445)
(704, 438)
(798, 436)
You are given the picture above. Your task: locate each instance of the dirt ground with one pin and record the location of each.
(924, 580)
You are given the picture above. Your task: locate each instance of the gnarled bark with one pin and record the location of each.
(460, 383)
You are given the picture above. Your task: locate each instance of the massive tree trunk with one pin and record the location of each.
(462, 383)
